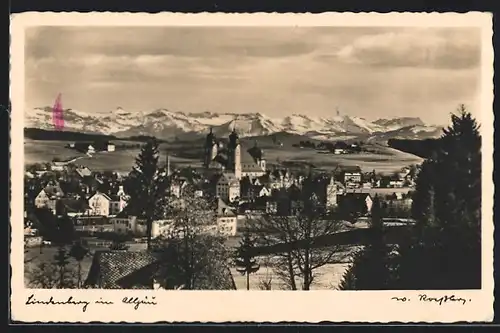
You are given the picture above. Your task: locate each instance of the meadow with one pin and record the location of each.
(380, 158)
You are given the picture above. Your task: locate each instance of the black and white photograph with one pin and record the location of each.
(256, 158)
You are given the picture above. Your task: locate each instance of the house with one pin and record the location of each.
(90, 149)
(49, 196)
(140, 270)
(111, 146)
(57, 166)
(226, 218)
(105, 205)
(122, 270)
(93, 223)
(72, 207)
(351, 176)
(367, 185)
(126, 224)
(177, 186)
(396, 182)
(252, 191)
(99, 204)
(83, 172)
(339, 151)
(356, 203)
(272, 207)
(227, 187)
(397, 201)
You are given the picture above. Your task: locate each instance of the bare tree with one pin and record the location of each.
(294, 236)
(193, 249)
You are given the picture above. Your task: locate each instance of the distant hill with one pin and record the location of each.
(41, 134)
(420, 148)
(51, 135)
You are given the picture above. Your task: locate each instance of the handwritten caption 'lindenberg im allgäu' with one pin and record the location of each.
(136, 302)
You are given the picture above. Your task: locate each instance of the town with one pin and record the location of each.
(66, 202)
(237, 176)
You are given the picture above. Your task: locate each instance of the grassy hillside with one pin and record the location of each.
(382, 159)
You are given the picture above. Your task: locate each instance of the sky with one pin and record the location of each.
(359, 71)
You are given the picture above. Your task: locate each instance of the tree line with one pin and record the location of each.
(422, 148)
(444, 250)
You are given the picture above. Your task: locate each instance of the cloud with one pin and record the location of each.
(416, 48)
(365, 71)
(212, 42)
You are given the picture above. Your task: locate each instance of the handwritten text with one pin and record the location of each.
(138, 302)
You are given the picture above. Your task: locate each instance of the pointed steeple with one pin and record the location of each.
(233, 137)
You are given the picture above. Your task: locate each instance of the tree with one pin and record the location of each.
(79, 252)
(61, 261)
(371, 268)
(192, 250)
(445, 252)
(244, 259)
(147, 186)
(65, 230)
(44, 276)
(296, 234)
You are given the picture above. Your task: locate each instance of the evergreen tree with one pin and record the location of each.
(79, 252)
(244, 259)
(371, 267)
(61, 260)
(446, 250)
(148, 186)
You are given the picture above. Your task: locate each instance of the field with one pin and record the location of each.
(382, 159)
(37, 151)
(328, 276)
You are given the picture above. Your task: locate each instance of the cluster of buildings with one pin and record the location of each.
(90, 148)
(235, 178)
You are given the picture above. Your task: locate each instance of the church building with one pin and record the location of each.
(233, 157)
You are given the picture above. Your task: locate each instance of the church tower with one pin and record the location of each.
(331, 193)
(210, 149)
(234, 154)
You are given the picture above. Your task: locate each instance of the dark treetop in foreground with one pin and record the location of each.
(444, 251)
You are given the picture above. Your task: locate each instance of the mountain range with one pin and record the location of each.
(166, 124)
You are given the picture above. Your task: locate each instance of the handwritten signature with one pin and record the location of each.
(439, 300)
(136, 301)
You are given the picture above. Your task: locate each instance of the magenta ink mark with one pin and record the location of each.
(57, 114)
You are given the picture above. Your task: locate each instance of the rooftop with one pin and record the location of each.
(110, 269)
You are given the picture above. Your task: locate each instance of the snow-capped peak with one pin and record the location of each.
(165, 123)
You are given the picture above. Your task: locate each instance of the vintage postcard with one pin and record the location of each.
(252, 167)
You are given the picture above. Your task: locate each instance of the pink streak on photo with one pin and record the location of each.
(57, 114)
